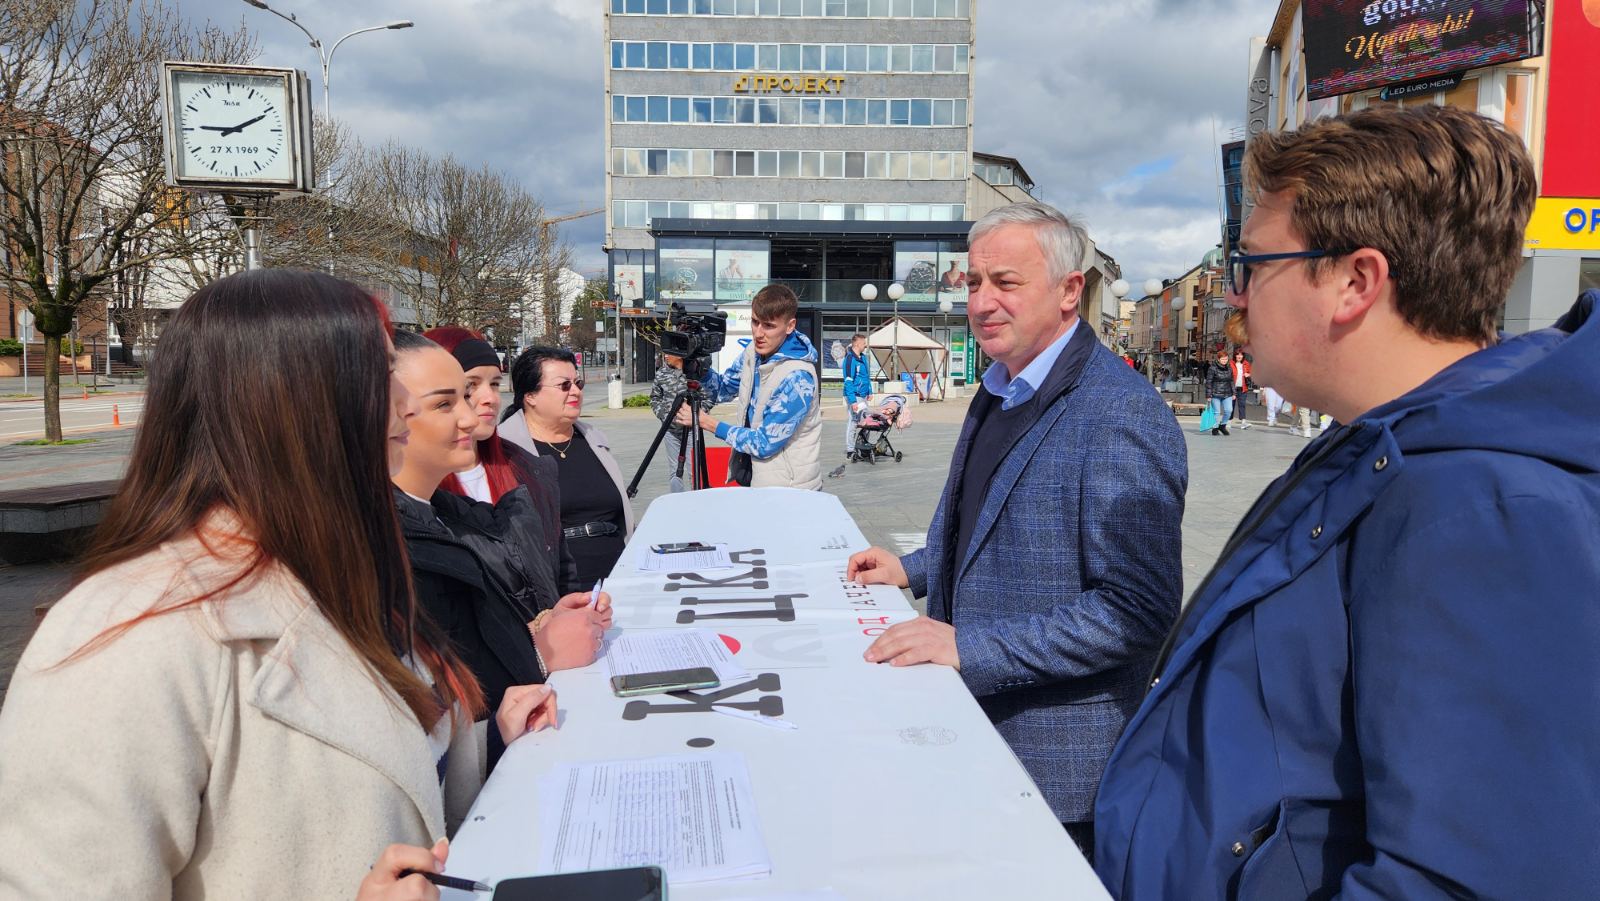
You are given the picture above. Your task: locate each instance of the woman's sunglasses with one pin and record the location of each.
(565, 385)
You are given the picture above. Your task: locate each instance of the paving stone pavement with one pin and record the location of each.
(891, 502)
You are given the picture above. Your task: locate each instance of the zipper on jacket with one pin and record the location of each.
(1244, 533)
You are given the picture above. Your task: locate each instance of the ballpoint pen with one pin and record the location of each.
(594, 596)
(772, 721)
(443, 881)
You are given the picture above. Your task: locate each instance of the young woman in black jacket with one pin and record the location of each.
(482, 572)
(1219, 391)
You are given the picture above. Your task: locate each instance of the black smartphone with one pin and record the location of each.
(666, 680)
(679, 547)
(631, 884)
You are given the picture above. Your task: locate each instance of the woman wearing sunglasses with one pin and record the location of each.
(596, 518)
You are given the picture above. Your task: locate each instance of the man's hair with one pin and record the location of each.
(857, 337)
(1443, 194)
(775, 303)
(1063, 242)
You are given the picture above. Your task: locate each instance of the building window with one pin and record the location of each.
(1519, 87)
(639, 213)
(790, 58)
(913, 165)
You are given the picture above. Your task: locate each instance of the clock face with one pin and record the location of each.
(232, 126)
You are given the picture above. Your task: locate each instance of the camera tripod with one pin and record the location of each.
(692, 449)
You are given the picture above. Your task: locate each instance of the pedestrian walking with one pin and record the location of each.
(1219, 392)
(1242, 386)
(1273, 401)
(857, 388)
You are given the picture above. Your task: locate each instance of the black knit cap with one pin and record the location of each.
(474, 352)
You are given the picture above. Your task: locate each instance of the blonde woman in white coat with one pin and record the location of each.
(240, 699)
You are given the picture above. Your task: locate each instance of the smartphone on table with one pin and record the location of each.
(627, 686)
(679, 547)
(630, 884)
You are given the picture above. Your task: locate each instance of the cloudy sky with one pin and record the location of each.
(1111, 106)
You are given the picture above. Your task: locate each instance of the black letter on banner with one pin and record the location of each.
(782, 608)
(702, 702)
(757, 579)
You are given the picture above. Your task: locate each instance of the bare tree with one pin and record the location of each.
(462, 243)
(83, 198)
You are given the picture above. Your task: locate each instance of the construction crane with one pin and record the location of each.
(544, 224)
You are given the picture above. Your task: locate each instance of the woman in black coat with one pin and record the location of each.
(1219, 391)
(483, 573)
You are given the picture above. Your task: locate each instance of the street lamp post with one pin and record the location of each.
(1152, 289)
(327, 56)
(896, 291)
(869, 293)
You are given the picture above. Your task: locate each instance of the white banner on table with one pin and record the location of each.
(693, 815)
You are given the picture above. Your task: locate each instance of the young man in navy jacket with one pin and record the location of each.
(1388, 686)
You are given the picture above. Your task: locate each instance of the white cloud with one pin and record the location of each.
(1110, 106)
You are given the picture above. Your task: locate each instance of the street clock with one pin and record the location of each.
(245, 129)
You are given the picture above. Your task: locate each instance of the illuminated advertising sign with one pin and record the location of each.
(1357, 45)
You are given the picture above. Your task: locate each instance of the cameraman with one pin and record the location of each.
(669, 383)
(779, 441)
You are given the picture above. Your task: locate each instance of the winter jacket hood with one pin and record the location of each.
(795, 347)
(1469, 404)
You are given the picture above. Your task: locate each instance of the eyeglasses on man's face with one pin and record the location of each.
(566, 385)
(1239, 263)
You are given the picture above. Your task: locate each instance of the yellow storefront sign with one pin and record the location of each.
(1564, 223)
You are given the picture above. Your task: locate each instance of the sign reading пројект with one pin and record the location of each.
(1564, 223)
(789, 84)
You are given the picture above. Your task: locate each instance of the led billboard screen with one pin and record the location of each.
(1358, 45)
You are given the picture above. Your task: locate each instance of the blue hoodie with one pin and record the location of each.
(1389, 684)
(787, 409)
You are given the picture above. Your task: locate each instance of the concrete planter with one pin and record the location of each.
(10, 366)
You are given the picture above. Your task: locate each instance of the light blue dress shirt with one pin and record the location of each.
(1017, 390)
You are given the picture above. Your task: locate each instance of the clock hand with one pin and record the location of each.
(241, 126)
(222, 128)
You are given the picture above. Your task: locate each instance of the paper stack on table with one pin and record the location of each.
(659, 650)
(693, 815)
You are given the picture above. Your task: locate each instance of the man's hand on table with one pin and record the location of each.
(921, 640)
(876, 566)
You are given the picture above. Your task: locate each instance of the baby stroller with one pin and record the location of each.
(872, 430)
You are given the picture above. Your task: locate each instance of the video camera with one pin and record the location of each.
(693, 335)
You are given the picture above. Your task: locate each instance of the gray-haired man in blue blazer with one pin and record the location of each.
(1052, 567)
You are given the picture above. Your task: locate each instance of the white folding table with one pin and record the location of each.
(895, 785)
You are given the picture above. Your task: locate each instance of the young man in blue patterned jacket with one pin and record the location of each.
(776, 433)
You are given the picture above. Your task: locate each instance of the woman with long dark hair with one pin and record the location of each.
(596, 517)
(263, 705)
(1239, 373)
(479, 568)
